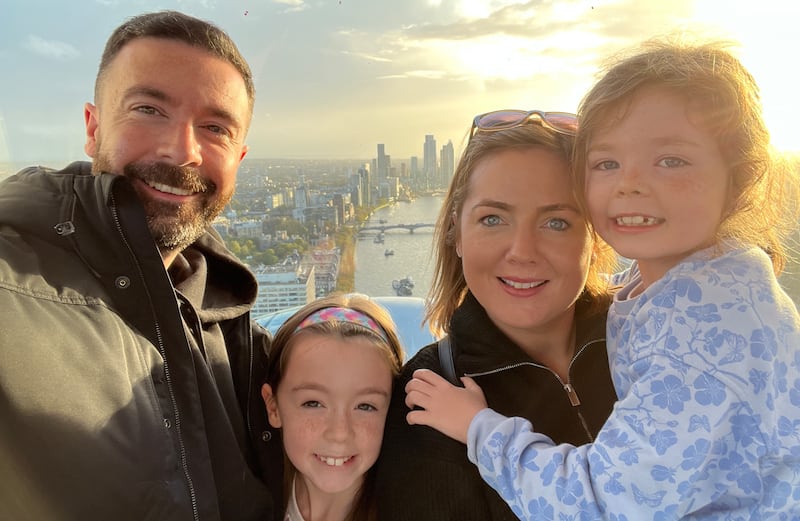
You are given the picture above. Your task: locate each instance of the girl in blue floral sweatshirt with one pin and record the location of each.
(673, 160)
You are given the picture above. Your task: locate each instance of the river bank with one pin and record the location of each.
(345, 240)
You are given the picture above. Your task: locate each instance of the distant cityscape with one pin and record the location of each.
(292, 220)
(287, 218)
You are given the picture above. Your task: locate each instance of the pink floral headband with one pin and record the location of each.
(338, 314)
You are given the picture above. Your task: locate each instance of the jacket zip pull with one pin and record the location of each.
(572, 395)
(65, 228)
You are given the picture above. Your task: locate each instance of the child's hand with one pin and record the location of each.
(446, 408)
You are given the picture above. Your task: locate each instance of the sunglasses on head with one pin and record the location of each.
(561, 122)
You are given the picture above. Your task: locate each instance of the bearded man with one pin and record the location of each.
(129, 366)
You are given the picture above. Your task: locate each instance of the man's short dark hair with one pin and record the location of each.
(174, 25)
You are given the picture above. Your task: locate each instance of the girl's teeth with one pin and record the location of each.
(636, 220)
(334, 462)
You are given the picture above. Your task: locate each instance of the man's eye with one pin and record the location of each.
(146, 109)
(216, 129)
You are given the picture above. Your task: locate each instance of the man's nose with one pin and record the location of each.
(180, 146)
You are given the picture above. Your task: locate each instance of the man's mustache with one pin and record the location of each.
(186, 178)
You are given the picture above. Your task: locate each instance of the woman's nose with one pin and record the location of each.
(524, 245)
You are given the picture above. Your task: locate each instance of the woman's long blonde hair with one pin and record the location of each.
(449, 287)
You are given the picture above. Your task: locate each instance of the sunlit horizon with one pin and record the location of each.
(334, 79)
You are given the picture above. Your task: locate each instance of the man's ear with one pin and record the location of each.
(245, 149)
(90, 120)
(270, 400)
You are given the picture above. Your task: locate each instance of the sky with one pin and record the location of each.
(336, 77)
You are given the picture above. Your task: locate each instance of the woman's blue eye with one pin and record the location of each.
(491, 220)
(557, 224)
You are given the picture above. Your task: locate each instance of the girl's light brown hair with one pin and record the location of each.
(448, 286)
(364, 508)
(722, 97)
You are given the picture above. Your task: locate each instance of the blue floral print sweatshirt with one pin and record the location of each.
(706, 365)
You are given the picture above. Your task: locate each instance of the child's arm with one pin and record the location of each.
(445, 407)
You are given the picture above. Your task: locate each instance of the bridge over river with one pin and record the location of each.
(383, 227)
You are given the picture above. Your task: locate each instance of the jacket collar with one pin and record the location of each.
(481, 346)
(90, 215)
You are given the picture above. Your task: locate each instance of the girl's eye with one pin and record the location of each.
(366, 407)
(312, 404)
(491, 220)
(606, 165)
(672, 162)
(557, 224)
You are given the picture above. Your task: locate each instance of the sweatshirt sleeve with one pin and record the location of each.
(671, 446)
(707, 426)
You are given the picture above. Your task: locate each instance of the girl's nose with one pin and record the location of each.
(629, 181)
(339, 427)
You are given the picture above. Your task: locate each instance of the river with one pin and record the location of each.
(412, 251)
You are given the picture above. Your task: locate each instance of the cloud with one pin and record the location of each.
(294, 5)
(518, 39)
(51, 48)
(365, 56)
(425, 74)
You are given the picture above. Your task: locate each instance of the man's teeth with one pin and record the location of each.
(334, 462)
(636, 220)
(522, 285)
(167, 189)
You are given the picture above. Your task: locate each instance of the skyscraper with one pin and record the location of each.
(448, 163)
(382, 164)
(429, 160)
(366, 194)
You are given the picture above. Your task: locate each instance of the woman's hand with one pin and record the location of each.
(445, 407)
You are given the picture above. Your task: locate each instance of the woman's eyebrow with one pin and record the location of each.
(491, 203)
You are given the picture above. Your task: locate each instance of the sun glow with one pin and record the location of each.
(768, 34)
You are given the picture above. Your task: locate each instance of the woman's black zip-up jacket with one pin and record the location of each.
(126, 392)
(425, 476)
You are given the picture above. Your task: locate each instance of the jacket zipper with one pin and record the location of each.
(249, 341)
(571, 394)
(167, 375)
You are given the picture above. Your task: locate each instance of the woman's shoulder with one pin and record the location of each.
(425, 358)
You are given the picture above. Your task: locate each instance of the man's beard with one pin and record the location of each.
(174, 226)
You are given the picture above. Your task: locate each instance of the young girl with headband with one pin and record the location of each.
(328, 386)
(673, 157)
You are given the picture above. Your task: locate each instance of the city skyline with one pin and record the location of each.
(336, 77)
